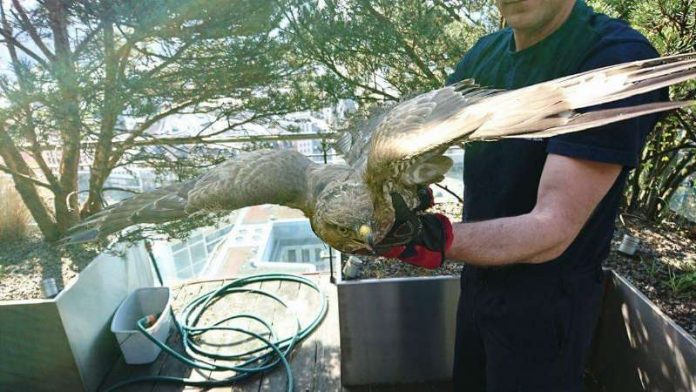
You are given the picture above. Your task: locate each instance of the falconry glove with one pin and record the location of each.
(429, 235)
(427, 200)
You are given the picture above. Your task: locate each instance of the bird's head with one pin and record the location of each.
(343, 217)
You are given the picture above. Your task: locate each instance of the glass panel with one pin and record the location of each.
(177, 246)
(210, 247)
(181, 260)
(198, 253)
(185, 273)
(198, 268)
(291, 256)
(218, 234)
(305, 255)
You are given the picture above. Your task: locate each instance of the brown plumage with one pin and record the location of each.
(350, 206)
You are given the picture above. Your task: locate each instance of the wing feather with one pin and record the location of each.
(259, 177)
(416, 130)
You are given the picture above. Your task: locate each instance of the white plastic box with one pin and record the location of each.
(136, 348)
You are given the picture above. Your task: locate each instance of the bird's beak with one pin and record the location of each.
(366, 236)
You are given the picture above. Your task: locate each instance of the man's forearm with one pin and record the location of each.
(529, 238)
(569, 190)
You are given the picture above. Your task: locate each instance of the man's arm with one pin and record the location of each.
(569, 190)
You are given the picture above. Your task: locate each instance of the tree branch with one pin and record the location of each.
(687, 127)
(232, 139)
(124, 145)
(28, 128)
(329, 63)
(24, 176)
(118, 189)
(13, 41)
(237, 124)
(169, 60)
(85, 41)
(29, 27)
(659, 154)
(410, 51)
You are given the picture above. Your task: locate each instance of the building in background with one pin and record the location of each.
(258, 239)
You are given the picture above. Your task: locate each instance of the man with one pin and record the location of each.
(539, 215)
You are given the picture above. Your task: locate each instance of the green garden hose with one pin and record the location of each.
(255, 361)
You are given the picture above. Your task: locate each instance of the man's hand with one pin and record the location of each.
(417, 239)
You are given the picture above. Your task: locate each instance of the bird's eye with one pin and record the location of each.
(344, 231)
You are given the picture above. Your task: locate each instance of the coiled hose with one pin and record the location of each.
(258, 360)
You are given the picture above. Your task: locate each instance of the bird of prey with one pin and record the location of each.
(397, 152)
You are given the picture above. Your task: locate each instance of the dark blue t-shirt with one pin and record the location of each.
(501, 178)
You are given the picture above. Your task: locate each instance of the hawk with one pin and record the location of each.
(395, 153)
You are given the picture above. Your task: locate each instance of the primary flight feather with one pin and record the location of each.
(350, 206)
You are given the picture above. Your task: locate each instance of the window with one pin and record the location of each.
(304, 254)
(178, 246)
(182, 262)
(191, 256)
(291, 256)
(199, 256)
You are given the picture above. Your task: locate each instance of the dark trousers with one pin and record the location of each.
(522, 330)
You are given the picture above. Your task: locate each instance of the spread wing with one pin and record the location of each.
(281, 177)
(354, 140)
(406, 145)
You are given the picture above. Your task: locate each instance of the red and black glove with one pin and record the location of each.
(427, 200)
(417, 239)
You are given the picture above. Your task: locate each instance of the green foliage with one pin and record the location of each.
(143, 61)
(652, 266)
(669, 157)
(382, 50)
(682, 283)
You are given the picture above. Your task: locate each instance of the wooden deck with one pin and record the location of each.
(315, 362)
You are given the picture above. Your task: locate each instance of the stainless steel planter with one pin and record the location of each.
(382, 336)
(636, 346)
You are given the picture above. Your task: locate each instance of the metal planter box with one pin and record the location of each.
(639, 348)
(382, 341)
(64, 343)
(636, 346)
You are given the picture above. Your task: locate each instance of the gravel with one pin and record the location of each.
(25, 263)
(664, 268)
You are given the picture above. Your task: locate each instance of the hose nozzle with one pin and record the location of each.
(149, 320)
